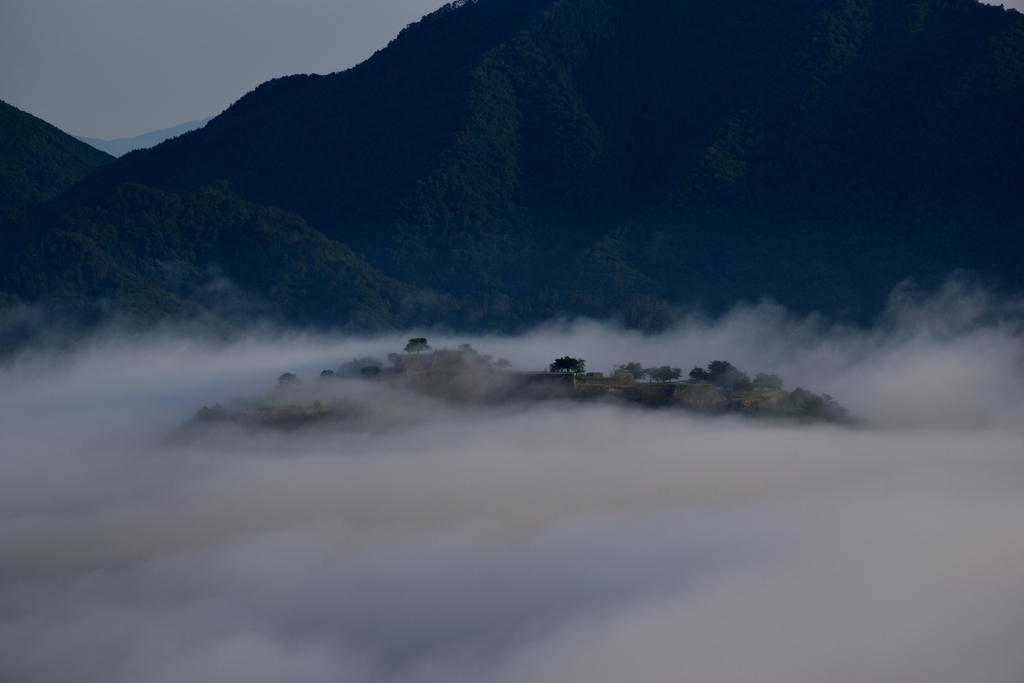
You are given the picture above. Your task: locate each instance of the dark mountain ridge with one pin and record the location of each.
(525, 158)
(39, 161)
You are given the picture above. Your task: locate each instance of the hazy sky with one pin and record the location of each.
(120, 68)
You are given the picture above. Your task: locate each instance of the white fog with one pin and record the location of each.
(427, 541)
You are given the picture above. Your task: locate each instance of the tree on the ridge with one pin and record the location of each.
(727, 377)
(568, 364)
(721, 368)
(665, 373)
(353, 367)
(700, 375)
(766, 382)
(288, 380)
(416, 345)
(724, 375)
(633, 368)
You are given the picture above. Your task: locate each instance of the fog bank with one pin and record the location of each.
(425, 541)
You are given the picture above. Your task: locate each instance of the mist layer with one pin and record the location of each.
(425, 541)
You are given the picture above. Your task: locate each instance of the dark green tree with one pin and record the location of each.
(416, 345)
(726, 377)
(802, 404)
(288, 380)
(568, 364)
(699, 375)
(664, 373)
(353, 367)
(633, 368)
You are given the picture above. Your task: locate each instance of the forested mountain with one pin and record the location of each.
(39, 161)
(153, 254)
(515, 159)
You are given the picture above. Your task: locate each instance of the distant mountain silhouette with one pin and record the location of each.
(122, 146)
(37, 160)
(518, 159)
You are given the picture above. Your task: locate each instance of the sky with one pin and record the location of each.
(111, 69)
(417, 540)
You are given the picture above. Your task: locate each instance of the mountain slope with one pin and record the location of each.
(609, 157)
(37, 160)
(157, 254)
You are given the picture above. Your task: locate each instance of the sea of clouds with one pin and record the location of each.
(426, 541)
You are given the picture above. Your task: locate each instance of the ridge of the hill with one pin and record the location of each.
(156, 254)
(38, 161)
(624, 159)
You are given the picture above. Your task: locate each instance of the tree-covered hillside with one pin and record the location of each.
(158, 254)
(39, 161)
(525, 158)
